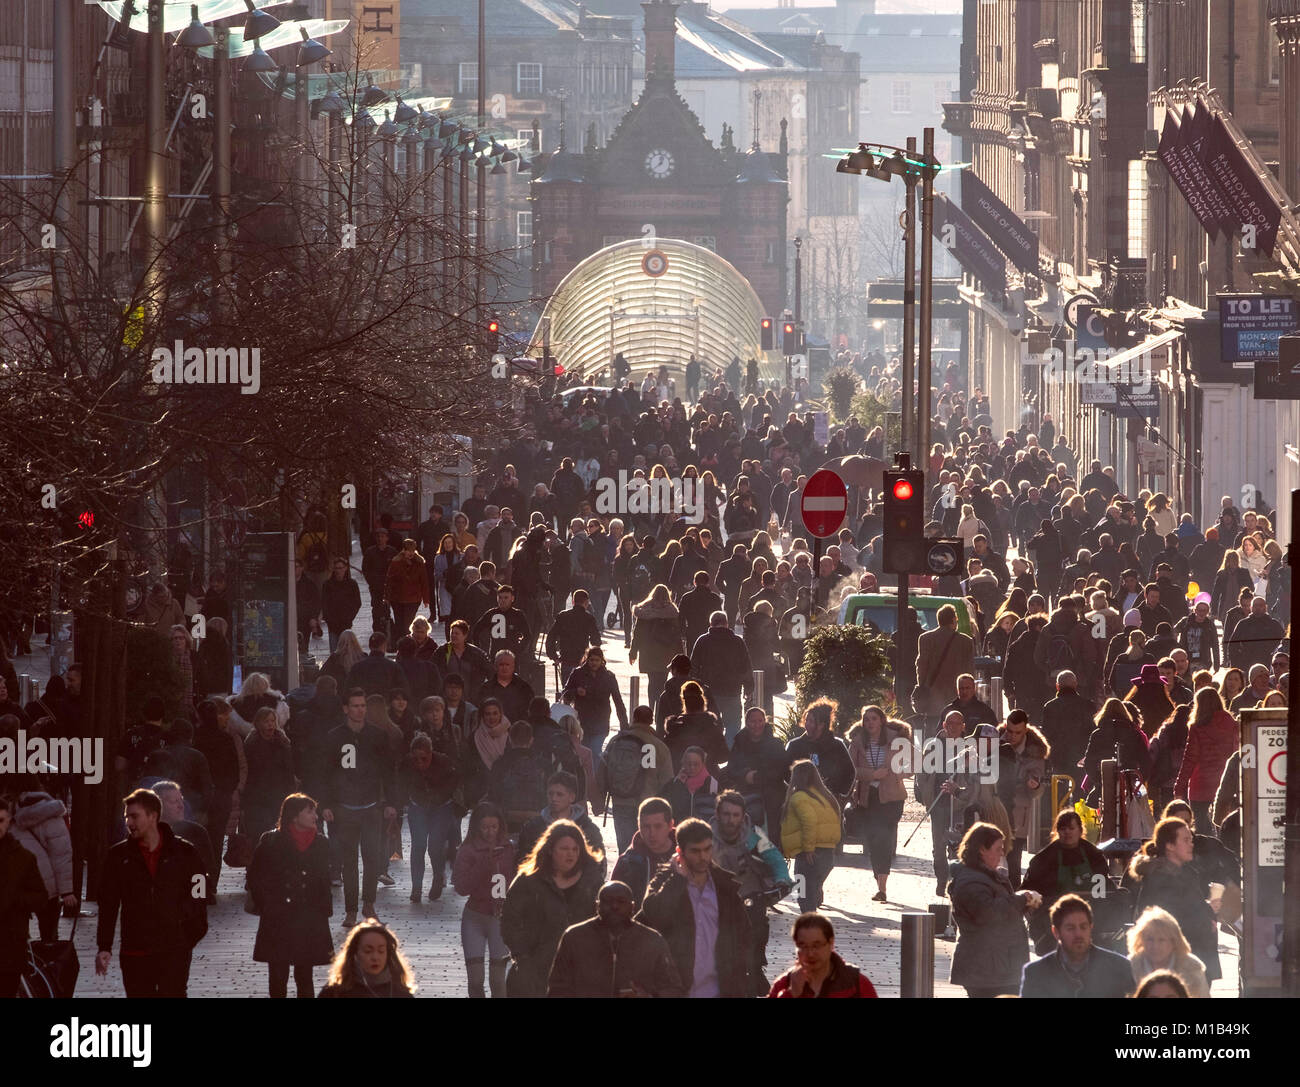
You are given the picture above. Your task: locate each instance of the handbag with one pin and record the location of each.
(58, 962)
(239, 851)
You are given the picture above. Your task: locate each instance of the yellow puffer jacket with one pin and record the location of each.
(809, 823)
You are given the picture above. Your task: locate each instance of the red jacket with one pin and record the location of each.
(1208, 749)
(845, 981)
(407, 582)
(475, 871)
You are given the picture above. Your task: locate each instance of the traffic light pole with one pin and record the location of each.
(902, 460)
(909, 302)
(927, 306)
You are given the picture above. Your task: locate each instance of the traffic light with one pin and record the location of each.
(492, 335)
(765, 334)
(791, 338)
(903, 548)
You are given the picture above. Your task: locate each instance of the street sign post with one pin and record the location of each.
(1263, 807)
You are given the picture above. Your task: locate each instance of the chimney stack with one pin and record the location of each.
(660, 38)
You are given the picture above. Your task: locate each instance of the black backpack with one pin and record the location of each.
(317, 558)
(623, 767)
(559, 749)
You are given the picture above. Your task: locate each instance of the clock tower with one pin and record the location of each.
(659, 175)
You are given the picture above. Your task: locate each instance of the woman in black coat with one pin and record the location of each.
(1166, 876)
(270, 774)
(1116, 736)
(340, 600)
(289, 884)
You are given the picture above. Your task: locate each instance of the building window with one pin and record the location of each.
(1274, 59)
(864, 96)
(529, 78)
(468, 77)
(708, 241)
(523, 229)
(1137, 208)
(525, 135)
(547, 253)
(1138, 50)
(772, 252)
(902, 96)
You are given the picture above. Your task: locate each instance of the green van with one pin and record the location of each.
(881, 610)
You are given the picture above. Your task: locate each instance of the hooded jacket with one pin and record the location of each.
(752, 859)
(1206, 753)
(637, 865)
(38, 826)
(1014, 772)
(535, 916)
(1182, 890)
(21, 892)
(697, 729)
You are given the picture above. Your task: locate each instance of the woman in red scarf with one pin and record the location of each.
(289, 888)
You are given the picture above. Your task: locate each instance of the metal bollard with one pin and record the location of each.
(28, 689)
(1109, 807)
(995, 695)
(758, 687)
(634, 691)
(916, 977)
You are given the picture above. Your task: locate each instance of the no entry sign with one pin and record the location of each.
(825, 503)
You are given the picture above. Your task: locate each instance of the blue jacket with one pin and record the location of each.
(1106, 974)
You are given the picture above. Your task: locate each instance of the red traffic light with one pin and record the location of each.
(559, 370)
(902, 490)
(767, 322)
(788, 328)
(494, 326)
(87, 519)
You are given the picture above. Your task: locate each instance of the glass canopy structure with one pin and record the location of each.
(609, 304)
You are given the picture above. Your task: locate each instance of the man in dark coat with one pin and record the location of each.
(151, 878)
(1077, 968)
(572, 634)
(513, 693)
(376, 674)
(721, 660)
(613, 955)
(22, 892)
(823, 747)
(1067, 724)
(374, 568)
(670, 701)
(697, 605)
(693, 900)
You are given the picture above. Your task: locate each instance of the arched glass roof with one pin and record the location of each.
(700, 306)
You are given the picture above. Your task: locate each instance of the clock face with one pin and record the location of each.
(659, 164)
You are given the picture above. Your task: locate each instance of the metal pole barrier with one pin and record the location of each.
(995, 695)
(916, 978)
(758, 687)
(634, 691)
(923, 385)
(26, 685)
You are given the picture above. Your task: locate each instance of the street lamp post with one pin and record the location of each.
(155, 170)
(481, 201)
(909, 304)
(927, 303)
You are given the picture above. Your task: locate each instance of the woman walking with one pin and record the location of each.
(289, 885)
(484, 863)
(1155, 942)
(270, 774)
(370, 964)
(811, 828)
(556, 888)
(1212, 737)
(878, 789)
(1166, 877)
(992, 943)
(340, 600)
(656, 638)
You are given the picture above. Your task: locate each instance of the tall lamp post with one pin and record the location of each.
(883, 163)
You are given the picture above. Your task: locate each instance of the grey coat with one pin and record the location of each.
(992, 943)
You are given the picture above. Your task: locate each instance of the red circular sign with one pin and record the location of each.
(825, 503)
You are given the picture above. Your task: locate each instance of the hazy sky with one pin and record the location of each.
(947, 7)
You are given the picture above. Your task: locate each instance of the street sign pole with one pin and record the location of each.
(909, 302)
(824, 505)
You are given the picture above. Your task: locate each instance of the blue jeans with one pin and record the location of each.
(595, 744)
(430, 828)
(729, 709)
(625, 826)
(814, 876)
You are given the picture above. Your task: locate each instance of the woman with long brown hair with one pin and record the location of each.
(1166, 877)
(289, 888)
(484, 863)
(555, 888)
(1212, 737)
(878, 788)
(370, 964)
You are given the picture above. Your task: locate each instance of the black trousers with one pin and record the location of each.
(362, 830)
(878, 827)
(218, 818)
(47, 918)
(279, 976)
(156, 974)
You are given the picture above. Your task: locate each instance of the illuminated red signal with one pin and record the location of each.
(494, 326)
(559, 370)
(87, 519)
(788, 328)
(902, 490)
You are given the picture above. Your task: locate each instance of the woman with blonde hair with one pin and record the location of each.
(1155, 942)
(370, 964)
(811, 828)
(347, 653)
(1166, 877)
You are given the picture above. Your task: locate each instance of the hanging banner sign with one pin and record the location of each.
(968, 244)
(1003, 226)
